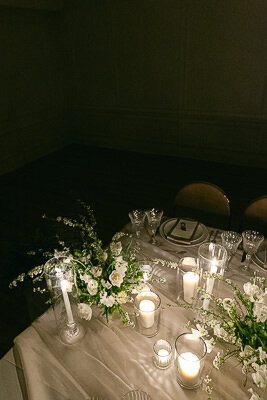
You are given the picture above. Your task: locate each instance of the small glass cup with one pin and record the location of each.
(190, 354)
(147, 271)
(188, 279)
(162, 357)
(212, 260)
(147, 307)
(251, 242)
(154, 218)
(231, 240)
(60, 281)
(137, 218)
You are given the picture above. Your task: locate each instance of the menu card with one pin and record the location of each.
(183, 229)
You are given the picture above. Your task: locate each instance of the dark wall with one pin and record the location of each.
(33, 81)
(180, 77)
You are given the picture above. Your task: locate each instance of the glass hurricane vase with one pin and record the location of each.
(60, 281)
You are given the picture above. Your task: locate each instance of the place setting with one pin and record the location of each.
(170, 313)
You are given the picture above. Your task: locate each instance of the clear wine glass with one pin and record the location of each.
(137, 218)
(154, 217)
(230, 241)
(251, 242)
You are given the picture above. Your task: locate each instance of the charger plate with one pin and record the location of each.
(200, 235)
(260, 257)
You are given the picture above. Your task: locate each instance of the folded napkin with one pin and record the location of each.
(182, 231)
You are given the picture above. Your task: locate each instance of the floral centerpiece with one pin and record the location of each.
(241, 324)
(105, 276)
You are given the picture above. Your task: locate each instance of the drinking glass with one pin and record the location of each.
(251, 242)
(230, 241)
(137, 218)
(154, 217)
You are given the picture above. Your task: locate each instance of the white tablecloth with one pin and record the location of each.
(113, 359)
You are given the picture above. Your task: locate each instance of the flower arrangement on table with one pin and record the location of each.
(240, 323)
(105, 276)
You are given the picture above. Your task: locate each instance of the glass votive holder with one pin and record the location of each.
(147, 307)
(60, 281)
(212, 262)
(190, 354)
(162, 354)
(147, 271)
(188, 279)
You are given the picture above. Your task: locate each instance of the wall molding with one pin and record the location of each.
(232, 140)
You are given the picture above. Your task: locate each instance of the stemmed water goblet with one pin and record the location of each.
(137, 218)
(251, 242)
(154, 217)
(230, 241)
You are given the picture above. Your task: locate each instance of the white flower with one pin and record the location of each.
(85, 278)
(228, 304)
(105, 255)
(262, 354)
(107, 284)
(210, 344)
(121, 265)
(115, 248)
(260, 309)
(92, 287)
(108, 301)
(260, 376)
(96, 271)
(254, 395)
(84, 311)
(253, 291)
(116, 278)
(122, 297)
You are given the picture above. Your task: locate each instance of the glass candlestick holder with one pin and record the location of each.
(190, 354)
(188, 280)
(212, 262)
(162, 356)
(60, 281)
(147, 307)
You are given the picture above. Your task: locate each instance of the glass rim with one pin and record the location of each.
(48, 269)
(156, 344)
(157, 306)
(197, 337)
(253, 232)
(207, 244)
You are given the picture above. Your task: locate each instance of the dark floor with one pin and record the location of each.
(113, 183)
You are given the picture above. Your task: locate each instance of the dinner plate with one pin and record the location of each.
(199, 236)
(259, 258)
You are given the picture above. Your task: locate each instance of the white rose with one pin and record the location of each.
(92, 287)
(116, 278)
(122, 297)
(96, 271)
(84, 311)
(115, 248)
